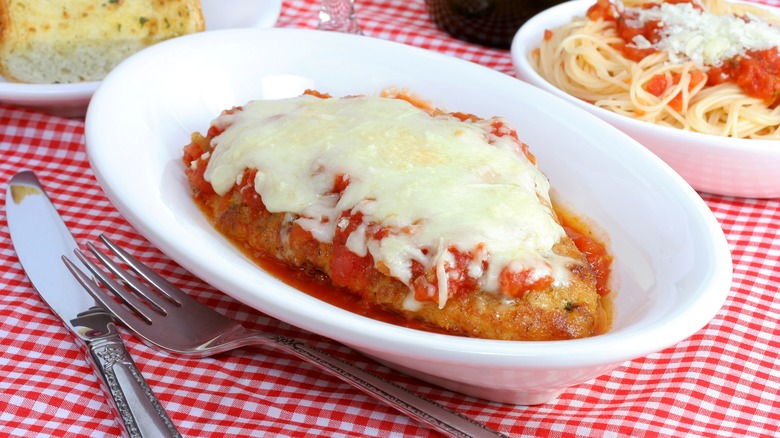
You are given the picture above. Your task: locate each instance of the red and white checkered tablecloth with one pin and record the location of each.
(724, 380)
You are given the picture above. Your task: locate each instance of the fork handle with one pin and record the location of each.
(414, 405)
(133, 401)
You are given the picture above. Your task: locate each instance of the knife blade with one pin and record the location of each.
(40, 239)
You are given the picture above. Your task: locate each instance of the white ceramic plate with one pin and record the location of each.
(71, 100)
(234, 14)
(725, 166)
(672, 266)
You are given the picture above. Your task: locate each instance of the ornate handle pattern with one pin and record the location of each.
(438, 417)
(133, 402)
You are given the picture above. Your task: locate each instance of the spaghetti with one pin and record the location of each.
(647, 60)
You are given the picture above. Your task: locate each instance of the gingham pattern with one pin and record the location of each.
(724, 380)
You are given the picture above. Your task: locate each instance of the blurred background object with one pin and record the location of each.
(339, 16)
(491, 23)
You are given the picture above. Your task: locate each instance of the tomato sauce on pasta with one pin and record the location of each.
(628, 57)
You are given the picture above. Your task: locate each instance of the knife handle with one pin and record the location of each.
(134, 403)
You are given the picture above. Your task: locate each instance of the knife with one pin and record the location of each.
(40, 239)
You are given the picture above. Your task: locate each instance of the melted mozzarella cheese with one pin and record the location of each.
(434, 182)
(689, 34)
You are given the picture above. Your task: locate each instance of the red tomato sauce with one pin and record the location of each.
(321, 287)
(757, 72)
(350, 269)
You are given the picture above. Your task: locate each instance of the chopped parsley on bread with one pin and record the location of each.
(81, 40)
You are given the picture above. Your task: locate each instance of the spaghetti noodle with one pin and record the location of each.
(645, 60)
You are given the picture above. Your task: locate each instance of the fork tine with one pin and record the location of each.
(175, 294)
(158, 303)
(99, 295)
(134, 302)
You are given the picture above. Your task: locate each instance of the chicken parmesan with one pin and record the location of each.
(439, 217)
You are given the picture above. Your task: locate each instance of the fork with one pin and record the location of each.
(165, 316)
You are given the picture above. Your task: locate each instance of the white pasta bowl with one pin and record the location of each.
(720, 165)
(672, 267)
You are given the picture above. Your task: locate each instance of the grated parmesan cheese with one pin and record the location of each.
(706, 39)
